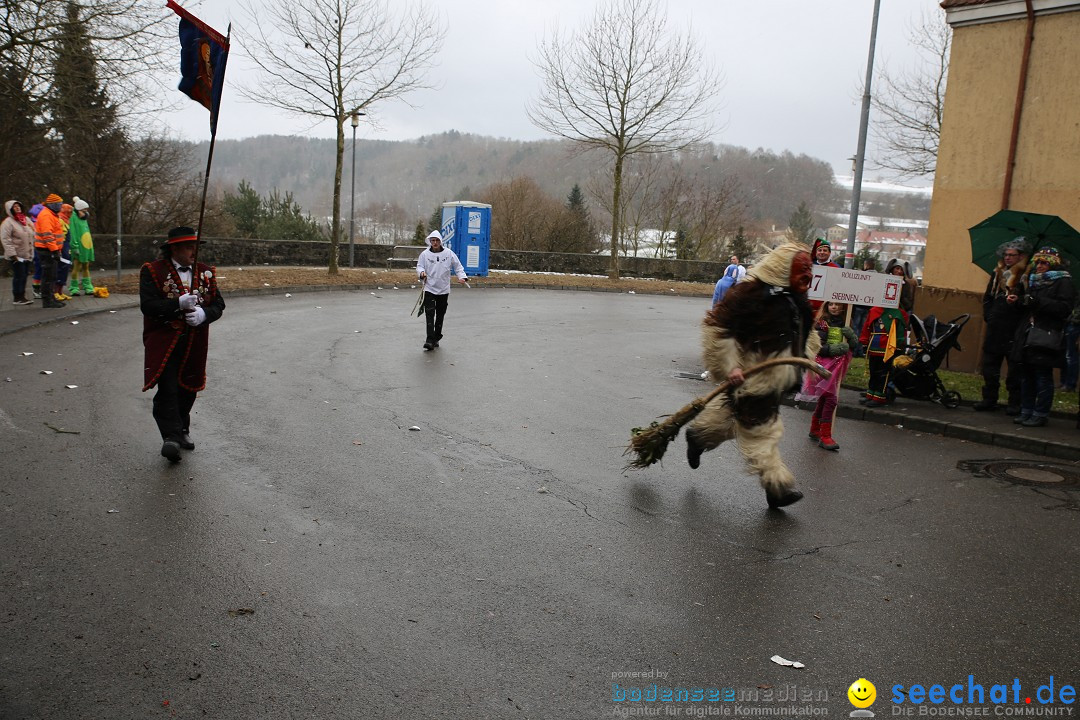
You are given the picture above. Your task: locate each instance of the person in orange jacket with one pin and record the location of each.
(48, 241)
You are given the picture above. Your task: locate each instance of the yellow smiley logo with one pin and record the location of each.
(862, 693)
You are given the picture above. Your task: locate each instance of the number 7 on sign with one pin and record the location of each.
(817, 283)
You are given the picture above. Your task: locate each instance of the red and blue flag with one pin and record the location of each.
(203, 55)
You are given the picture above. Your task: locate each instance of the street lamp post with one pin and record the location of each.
(860, 152)
(352, 204)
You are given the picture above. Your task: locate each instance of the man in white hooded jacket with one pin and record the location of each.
(434, 268)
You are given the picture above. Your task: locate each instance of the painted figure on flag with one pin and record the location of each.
(200, 86)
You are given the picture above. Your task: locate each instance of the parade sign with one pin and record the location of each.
(842, 285)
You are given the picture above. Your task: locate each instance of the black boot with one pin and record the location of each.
(986, 404)
(170, 450)
(693, 450)
(786, 497)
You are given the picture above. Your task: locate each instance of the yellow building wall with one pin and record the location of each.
(984, 70)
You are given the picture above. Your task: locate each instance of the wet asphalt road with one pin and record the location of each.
(314, 558)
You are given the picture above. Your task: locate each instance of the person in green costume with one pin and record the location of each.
(82, 249)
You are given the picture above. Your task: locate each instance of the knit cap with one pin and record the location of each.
(53, 198)
(1048, 254)
(80, 204)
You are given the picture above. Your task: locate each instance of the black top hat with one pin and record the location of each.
(181, 235)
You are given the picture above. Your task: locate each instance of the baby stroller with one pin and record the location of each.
(915, 368)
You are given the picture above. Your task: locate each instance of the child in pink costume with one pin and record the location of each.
(838, 342)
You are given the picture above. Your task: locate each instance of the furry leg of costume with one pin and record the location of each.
(760, 445)
(712, 426)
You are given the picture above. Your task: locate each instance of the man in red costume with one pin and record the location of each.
(179, 299)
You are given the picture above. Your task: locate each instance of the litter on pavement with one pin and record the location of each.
(787, 663)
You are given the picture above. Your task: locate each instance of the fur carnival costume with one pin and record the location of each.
(1005, 279)
(762, 318)
(1002, 317)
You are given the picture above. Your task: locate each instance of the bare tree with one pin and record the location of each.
(385, 223)
(911, 104)
(673, 194)
(640, 196)
(712, 213)
(522, 215)
(329, 59)
(625, 85)
(133, 42)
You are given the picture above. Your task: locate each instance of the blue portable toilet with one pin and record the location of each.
(466, 229)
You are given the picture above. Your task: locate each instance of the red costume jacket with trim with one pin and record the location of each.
(160, 288)
(875, 332)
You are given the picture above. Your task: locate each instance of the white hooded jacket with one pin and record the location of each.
(439, 266)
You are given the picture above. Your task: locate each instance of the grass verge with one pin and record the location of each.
(969, 385)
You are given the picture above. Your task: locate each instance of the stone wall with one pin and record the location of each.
(136, 250)
(573, 263)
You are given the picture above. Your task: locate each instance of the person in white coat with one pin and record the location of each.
(434, 268)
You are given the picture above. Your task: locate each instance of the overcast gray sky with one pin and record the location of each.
(793, 71)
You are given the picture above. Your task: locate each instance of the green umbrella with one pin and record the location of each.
(1039, 230)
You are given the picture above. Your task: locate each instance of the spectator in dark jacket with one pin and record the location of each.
(1001, 318)
(1049, 300)
(1071, 373)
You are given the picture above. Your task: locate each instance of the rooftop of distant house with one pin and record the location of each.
(847, 181)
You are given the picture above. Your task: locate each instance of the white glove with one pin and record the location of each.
(195, 317)
(188, 301)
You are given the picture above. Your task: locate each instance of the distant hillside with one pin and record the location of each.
(419, 174)
(416, 175)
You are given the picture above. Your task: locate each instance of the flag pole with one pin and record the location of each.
(206, 176)
(202, 212)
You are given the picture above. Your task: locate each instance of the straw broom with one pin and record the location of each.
(648, 444)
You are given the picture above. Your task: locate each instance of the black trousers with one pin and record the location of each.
(991, 373)
(172, 403)
(49, 259)
(434, 310)
(19, 271)
(879, 372)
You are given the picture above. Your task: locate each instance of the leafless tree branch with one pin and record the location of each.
(625, 85)
(910, 104)
(130, 40)
(325, 59)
